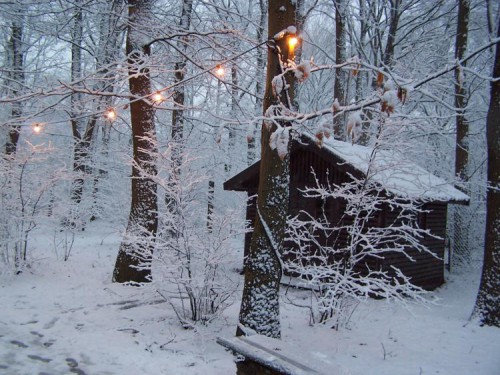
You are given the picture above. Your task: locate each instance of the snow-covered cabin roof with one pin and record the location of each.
(393, 172)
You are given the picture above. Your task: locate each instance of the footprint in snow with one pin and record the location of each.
(73, 365)
(50, 324)
(35, 333)
(38, 358)
(30, 322)
(19, 343)
(38, 342)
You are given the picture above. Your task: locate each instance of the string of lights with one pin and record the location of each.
(157, 98)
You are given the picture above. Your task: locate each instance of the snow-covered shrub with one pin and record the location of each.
(193, 257)
(25, 182)
(338, 261)
(340, 274)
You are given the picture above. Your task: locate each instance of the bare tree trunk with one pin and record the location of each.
(487, 307)
(340, 84)
(362, 35)
(16, 81)
(178, 119)
(109, 46)
(461, 246)
(210, 206)
(232, 127)
(136, 248)
(79, 148)
(83, 130)
(361, 78)
(462, 125)
(391, 37)
(179, 96)
(260, 302)
(259, 91)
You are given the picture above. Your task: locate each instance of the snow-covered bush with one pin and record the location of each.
(25, 182)
(194, 253)
(339, 274)
(192, 257)
(338, 261)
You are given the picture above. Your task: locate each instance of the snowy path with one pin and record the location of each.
(67, 317)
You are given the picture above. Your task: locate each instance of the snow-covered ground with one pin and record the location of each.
(67, 317)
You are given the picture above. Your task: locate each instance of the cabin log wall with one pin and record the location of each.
(426, 271)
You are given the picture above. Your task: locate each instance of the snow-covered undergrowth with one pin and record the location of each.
(67, 317)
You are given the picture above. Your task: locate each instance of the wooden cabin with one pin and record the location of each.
(335, 162)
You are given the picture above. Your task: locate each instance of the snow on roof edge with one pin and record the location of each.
(398, 176)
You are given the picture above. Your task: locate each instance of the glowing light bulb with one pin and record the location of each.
(219, 71)
(292, 42)
(158, 97)
(110, 114)
(37, 128)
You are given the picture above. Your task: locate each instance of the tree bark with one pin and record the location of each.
(391, 37)
(79, 149)
(340, 84)
(462, 125)
(251, 151)
(134, 257)
(461, 246)
(260, 302)
(179, 96)
(487, 307)
(16, 78)
(231, 144)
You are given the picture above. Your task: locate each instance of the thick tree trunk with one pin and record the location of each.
(260, 303)
(134, 257)
(487, 307)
